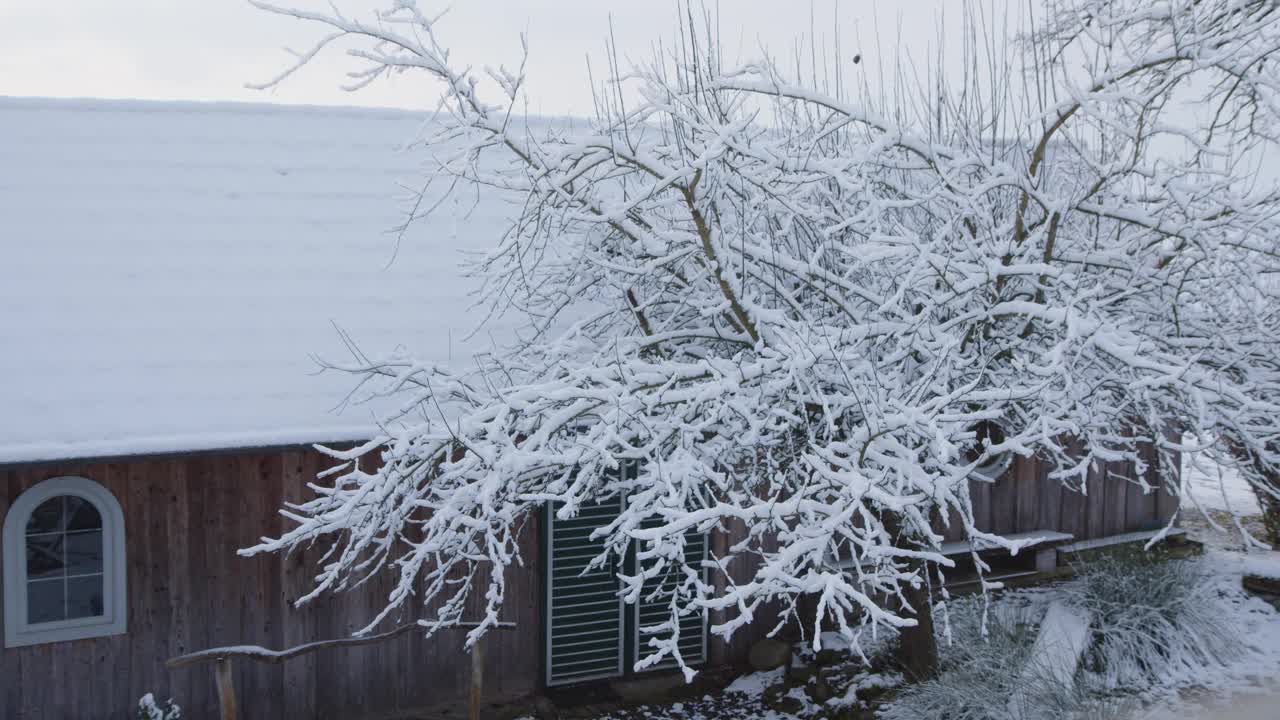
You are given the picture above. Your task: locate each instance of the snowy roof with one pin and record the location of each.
(170, 270)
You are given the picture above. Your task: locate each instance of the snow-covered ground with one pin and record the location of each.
(1248, 688)
(1215, 487)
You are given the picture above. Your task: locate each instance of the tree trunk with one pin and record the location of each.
(1269, 504)
(1270, 516)
(917, 645)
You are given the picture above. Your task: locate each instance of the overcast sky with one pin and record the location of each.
(209, 49)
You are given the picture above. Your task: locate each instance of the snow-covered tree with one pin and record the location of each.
(819, 313)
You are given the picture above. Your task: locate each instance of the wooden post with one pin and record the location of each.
(477, 679)
(226, 690)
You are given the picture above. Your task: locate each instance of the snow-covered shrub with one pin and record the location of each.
(1153, 620)
(149, 709)
(991, 677)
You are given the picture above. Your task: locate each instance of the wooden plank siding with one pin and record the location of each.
(1024, 499)
(1027, 499)
(186, 515)
(741, 569)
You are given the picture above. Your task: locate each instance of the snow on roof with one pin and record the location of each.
(169, 270)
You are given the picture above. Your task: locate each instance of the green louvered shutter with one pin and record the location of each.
(650, 611)
(584, 629)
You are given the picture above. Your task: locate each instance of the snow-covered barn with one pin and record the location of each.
(169, 271)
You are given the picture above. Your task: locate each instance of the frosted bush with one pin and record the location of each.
(990, 678)
(1153, 621)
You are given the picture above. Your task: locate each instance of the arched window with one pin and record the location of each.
(987, 433)
(64, 564)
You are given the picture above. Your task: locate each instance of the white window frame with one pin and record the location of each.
(17, 631)
(994, 469)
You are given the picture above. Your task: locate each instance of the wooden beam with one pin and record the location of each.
(1261, 584)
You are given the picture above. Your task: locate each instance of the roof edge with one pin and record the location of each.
(201, 106)
(187, 444)
(241, 107)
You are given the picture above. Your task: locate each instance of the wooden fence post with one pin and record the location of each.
(226, 689)
(477, 678)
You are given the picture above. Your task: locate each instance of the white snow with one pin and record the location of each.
(1138, 536)
(168, 270)
(835, 641)
(1261, 564)
(1062, 640)
(755, 683)
(865, 682)
(149, 709)
(1218, 487)
(1249, 685)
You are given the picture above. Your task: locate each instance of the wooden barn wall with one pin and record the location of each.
(1026, 499)
(185, 517)
(741, 569)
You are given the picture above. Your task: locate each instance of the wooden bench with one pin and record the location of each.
(1141, 536)
(1043, 544)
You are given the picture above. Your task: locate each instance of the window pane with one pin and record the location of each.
(47, 517)
(84, 597)
(45, 602)
(82, 515)
(44, 555)
(84, 552)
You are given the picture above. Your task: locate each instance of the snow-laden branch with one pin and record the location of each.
(799, 314)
